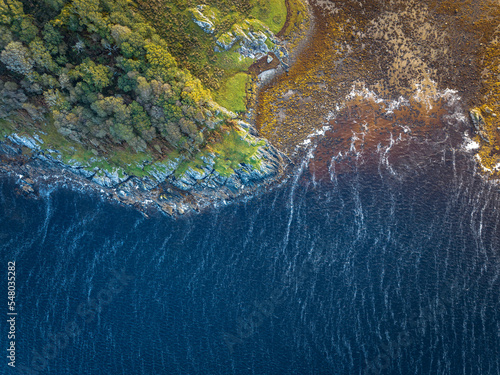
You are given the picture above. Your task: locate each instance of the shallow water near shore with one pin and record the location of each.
(388, 265)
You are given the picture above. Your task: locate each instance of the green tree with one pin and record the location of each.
(28, 31)
(41, 56)
(171, 132)
(172, 112)
(56, 100)
(143, 90)
(17, 58)
(160, 61)
(11, 98)
(55, 4)
(137, 144)
(52, 38)
(90, 14)
(96, 76)
(140, 118)
(128, 82)
(188, 127)
(10, 11)
(121, 131)
(120, 33)
(104, 106)
(129, 65)
(5, 36)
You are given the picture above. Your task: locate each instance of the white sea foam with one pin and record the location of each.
(425, 92)
(361, 91)
(317, 132)
(469, 144)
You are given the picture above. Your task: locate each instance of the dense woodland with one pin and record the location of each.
(103, 75)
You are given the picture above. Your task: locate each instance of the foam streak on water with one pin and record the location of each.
(381, 260)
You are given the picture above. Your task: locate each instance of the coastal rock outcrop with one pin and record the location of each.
(163, 187)
(254, 38)
(204, 17)
(479, 124)
(250, 37)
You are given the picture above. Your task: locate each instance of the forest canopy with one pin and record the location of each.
(101, 73)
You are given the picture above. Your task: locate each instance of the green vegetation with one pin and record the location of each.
(120, 85)
(233, 151)
(227, 154)
(195, 47)
(233, 95)
(271, 13)
(5, 128)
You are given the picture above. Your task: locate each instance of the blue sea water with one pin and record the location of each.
(391, 268)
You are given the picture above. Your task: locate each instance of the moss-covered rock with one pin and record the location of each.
(205, 17)
(254, 38)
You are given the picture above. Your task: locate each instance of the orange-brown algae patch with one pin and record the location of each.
(294, 104)
(389, 47)
(365, 126)
(486, 116)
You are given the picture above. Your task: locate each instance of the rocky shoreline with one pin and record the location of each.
(22, 158)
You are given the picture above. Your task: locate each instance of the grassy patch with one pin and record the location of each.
(194, 49)
(196, 163)
(6, 128)
(298, 17)
(271, 12)
(54, 140)
(234, 150)
(230, 152)
(232, 62)
(131, 162)
(232, 94)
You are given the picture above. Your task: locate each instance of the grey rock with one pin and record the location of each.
(9, 150)
(226, 41)
(185, 182)
(83, 172)
(114, 176)
(233, 183)
(148, 183)
(197, 174)
(102, 180)
(479, 124)
(202, 20)
(218, 179)
(161, 171)
(25, 141)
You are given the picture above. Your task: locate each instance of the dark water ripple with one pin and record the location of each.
(388, 271)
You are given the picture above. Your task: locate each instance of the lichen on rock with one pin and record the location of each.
(254, 38)
(480, 124)
(205, 17)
